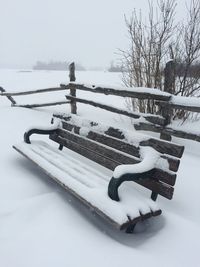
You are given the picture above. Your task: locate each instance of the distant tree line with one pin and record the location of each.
(55, 65)
(114, 67)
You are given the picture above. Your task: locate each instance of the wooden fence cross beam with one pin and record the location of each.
(9, 97)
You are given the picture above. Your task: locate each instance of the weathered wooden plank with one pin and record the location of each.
(105, 139)
(167, 130)
(42, 104)
(158, 187)
(163, 147)
(171, 105)
(153, 185)
(151, 118)
(117, 133)
(153, 128)
(9, 97)
(183, 134)
(120, 92)
(115, 155)
(118, 144)
(173, 163)
(141, 126)
(102, 160)
(30, 92)
(97, 148)
(163, 176)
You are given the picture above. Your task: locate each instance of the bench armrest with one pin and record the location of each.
(115, 183)
(46, 131)
(133, 172)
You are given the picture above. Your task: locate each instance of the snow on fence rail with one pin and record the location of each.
(42, 104)
(145, 122)
(36, 91)
(180, 102)
(133, 92)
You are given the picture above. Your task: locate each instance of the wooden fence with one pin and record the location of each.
(149, 122)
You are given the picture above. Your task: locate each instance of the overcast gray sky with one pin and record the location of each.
(88, 31)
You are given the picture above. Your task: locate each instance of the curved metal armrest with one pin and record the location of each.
(37, 131)
(115, 183)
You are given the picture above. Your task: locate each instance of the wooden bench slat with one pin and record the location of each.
(105, 139)
(164, 147)
(115, 155)
(104, 161)
(119, 144)
(157, 186)
(99, 148)
(161, 146)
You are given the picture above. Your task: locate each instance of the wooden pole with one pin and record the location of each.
(169, 83)
(72, 78)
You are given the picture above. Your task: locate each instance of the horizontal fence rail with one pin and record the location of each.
(42, 104)
(154, 123)
(145, 122)
(31, 92)
(138, 92)
(174, 105)
(148, 117)
(168, 131)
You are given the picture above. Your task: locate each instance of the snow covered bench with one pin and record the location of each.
(131, 156)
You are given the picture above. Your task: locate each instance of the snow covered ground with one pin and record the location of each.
(42, 225)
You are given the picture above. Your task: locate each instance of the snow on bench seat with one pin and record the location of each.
(88, 184)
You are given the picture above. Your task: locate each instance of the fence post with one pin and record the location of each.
(72, 78)
(169, 84)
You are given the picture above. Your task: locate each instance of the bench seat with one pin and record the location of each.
(89, 183)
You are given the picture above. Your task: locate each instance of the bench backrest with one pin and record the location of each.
(110, 147)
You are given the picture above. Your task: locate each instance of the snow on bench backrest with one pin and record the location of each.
(112, 147)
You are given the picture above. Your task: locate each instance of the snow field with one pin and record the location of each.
(42, 225)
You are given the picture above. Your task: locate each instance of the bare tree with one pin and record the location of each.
(187, 55)
(190, 51)
(149, 44)
(152, 40)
